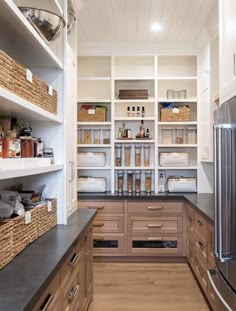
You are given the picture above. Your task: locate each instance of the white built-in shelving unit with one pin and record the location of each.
(157, 73)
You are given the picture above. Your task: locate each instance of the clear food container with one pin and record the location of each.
(138, 182)
(106, 136)
(120, 181)
(130, 177)
(127, 155)
(138, 155)
(179, 137)
(192, 135)
(118, 155)
(80, 137)
(87, 136)
(148, 181)
(167, 136)
(146, 150)
(96, 136)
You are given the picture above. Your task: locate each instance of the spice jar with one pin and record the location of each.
(192, 135)
(96, 136)
(148, 181)
(31, 147)
(137, 182)
(130, 181)
(138, 155)
(106, 136)
(80, 139)
(87, 136)
(179, 136)
(120, 177)
(167, 136)
(24, 147)
(146, 149)
(127, 155)
(118, 155)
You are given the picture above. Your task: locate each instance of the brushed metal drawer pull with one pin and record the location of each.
(96, 207)
(199, 244)
(47, 302)
(155, 208)
(74, 259)
(72, 292)
(154, 226)
(199, 222)
(154, 239)
(98, 239)
(98, 224)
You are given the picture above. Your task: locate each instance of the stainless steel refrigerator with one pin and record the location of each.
(223, 277)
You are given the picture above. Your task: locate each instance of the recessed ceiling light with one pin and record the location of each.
(156, 27)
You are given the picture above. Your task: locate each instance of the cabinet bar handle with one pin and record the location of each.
(199, 222)
(155, 208)
(97, 207)
(47, 302)
(74, 259)
(98, 224)
(98, 239)
(72, 292)
(154, 239)
(154, 226)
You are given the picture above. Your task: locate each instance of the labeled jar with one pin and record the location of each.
(118, 155)
(146, 150)
(167, 136)
(96, 136)
(192, 135)
(148, 181)
(127, 155)
(138, 155)
(87, 136)
(120, 181)
(24, 147)
(106, 136)
(80, 138)
(130, 177)
(179, 138)
(138, 182)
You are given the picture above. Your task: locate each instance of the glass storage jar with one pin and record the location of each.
(87, 136)
(179, 138)
(80, 138)
(167, 136)
(138, 182)
(106, 136)
(192, 135)
(146, 150)
(148, 181)
(120, 181)
(130, 181)
(127, 155)
(138, 155)
(118, 155)
(96, 136)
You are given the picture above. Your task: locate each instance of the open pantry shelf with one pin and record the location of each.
(93, 168)
(134, 141)
(134, 78)
(134, 168)
(177, 100)
(177, 145)
(178, 168)
(149, 100)
(178, 78)
(94, 123)
(36, 53)
(178, 123)
(93, 146)
(94, 78)
(92, 100)
(134, 119)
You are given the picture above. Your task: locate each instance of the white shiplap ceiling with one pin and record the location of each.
(129, 21)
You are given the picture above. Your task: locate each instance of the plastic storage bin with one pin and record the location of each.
(172, 159)
(182, 184)
(91, 159)
(91, 184)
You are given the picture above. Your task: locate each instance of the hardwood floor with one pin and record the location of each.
(145, 287)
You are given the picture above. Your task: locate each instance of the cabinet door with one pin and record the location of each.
(227, 11)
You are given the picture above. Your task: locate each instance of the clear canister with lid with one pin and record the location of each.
(96, 136)
(80, 138)
(127, 155)
(146, 151)
(179, 137)
(137, 181)
(130, 177)
(167, 136)
(106, 136)
(118, 155)
(148, 181)
(192, 135)
(138, 155)
(120, 181)
(87, 136)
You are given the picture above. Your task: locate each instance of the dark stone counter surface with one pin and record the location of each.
(203, 202)
(23, 281)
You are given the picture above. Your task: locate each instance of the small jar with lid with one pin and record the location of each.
(138, 182)
(146, 150)
(130, 181)
(148, 181)
(106, 136)
(192, 135)
(87, 136)
(120, 181)
(167, 136)
(179, 138)
(96, 136)
(138, 155)
(127, 155)
(118, 155)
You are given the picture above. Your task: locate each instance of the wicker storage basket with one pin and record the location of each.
(6, 71)
(100, 115)
(23, 87)
(48, 102)
(169, 115)
(6, 242)
(47, 219)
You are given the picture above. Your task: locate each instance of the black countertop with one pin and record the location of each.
(23, 281)
(203, 202)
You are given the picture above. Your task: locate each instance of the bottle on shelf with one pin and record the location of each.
(128, 112)
(133, 112)
(130, 181)
(143, 112)
(138, 112)
(120, 134)
(147, 133)
(142, 130)
(123, 130)
(120, 182)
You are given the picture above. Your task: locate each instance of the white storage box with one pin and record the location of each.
(91, 184)
(182, 184)
(173, 159)
(91, 159)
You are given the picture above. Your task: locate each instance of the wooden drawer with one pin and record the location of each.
(200, 225)
(71, 298)
(190, 222)
(153, 225)
(108, 245)
(51, 299)
(201, 249)
(201, 274)
(155, 208)
(104, 207)
(216, 304)
(108, 224)
(155, 246)
(71, 267)
(211, 247)
(191, 252)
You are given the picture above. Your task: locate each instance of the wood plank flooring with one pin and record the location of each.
(145, 287)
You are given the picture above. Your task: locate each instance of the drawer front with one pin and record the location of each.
(201, 249)
(155, 246)
(71, 266)
(104, 207)
(213, 299)
(201, 274)
(155, 208)
(153, 225)
(191, 252)
(71, 299)
(109, 245)
(211, 248)
(108, 224)
(190, 222)
(200, 225)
